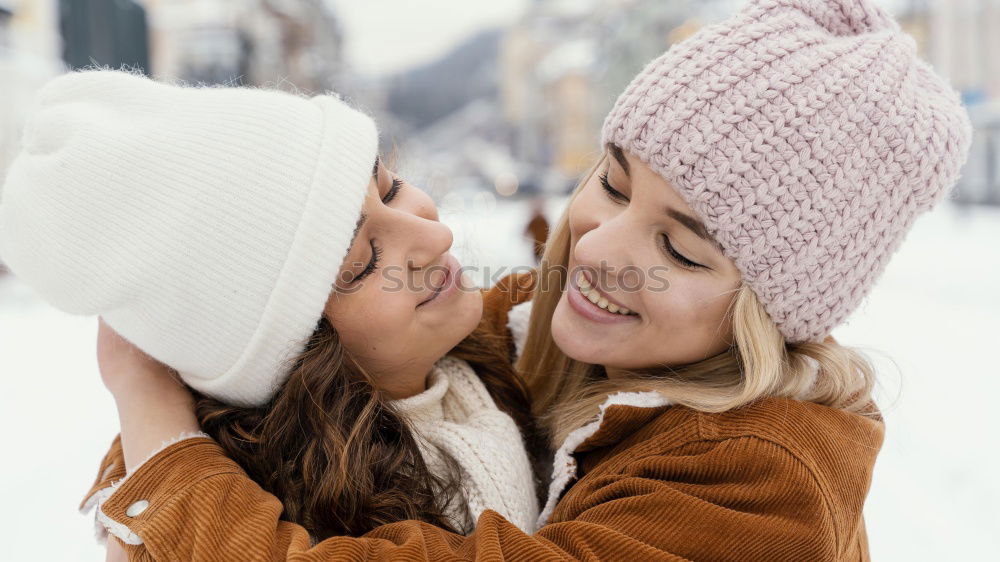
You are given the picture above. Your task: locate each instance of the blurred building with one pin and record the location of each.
(961, 39)
(556, 73)
(565, 62)
(29, 56)
(33, 27)
(526, 101)
(289, 44)
(104, 32)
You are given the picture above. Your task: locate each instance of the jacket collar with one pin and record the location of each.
(620, 415)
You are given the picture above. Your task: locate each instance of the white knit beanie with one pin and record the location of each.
(206, 225)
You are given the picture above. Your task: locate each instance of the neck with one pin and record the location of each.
(614, 373)
(405, 383)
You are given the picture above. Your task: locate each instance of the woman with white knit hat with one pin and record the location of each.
(756, 180)
(251, 241)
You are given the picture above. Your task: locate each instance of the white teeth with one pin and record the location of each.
(593, 296)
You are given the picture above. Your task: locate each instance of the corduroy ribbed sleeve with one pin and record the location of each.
(512, 290)
(111, 470)
(743, 498)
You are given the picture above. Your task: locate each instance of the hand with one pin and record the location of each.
(122, 363)
(153, 405)
(115, 552)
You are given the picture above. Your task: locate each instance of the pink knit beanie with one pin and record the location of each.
(808, 136)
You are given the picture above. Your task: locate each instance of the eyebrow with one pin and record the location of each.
(364, 216)
(619, 156)
(693, 224)
(357, 229)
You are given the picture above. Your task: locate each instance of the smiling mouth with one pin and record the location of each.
(598, 299)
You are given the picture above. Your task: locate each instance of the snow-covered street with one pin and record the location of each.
(931, 325)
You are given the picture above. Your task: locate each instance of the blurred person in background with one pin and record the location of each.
(714, 419)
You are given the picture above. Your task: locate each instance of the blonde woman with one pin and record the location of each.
(757, 178)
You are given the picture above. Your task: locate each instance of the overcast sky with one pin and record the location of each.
(384, 36)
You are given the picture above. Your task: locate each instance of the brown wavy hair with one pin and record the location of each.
(332, 449)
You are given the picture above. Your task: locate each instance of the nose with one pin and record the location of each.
(425, 238)
(420, 204)
(605, 252)
(431, 239)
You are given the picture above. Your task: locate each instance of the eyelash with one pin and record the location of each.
(612, 193)
(393, 191)
(376, 251)
(619, 197)
(683, 261)
(372, 265)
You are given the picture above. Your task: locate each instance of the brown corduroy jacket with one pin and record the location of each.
(779, 479)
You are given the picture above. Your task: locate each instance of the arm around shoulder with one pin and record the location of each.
(704, 500)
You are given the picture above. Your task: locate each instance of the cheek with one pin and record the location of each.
(690, 306)
(583, 212)
(374, 323)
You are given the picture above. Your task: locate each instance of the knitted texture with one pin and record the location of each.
(456, 416)
(206, 225)
(807, 135)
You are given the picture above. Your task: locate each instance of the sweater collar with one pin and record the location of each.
(429, 404)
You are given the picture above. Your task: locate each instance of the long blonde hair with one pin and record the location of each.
(566, 393)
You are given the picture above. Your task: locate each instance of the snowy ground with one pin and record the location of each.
(931, 323)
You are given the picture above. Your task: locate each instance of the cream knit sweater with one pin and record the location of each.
(457, 417)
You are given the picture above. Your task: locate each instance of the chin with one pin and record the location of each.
(451, 325)
(462, 318)
(572, 341)
(470, 311)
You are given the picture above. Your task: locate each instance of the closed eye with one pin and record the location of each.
(397, 184)
(677, 256)
(612, 193)
(372, 263)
